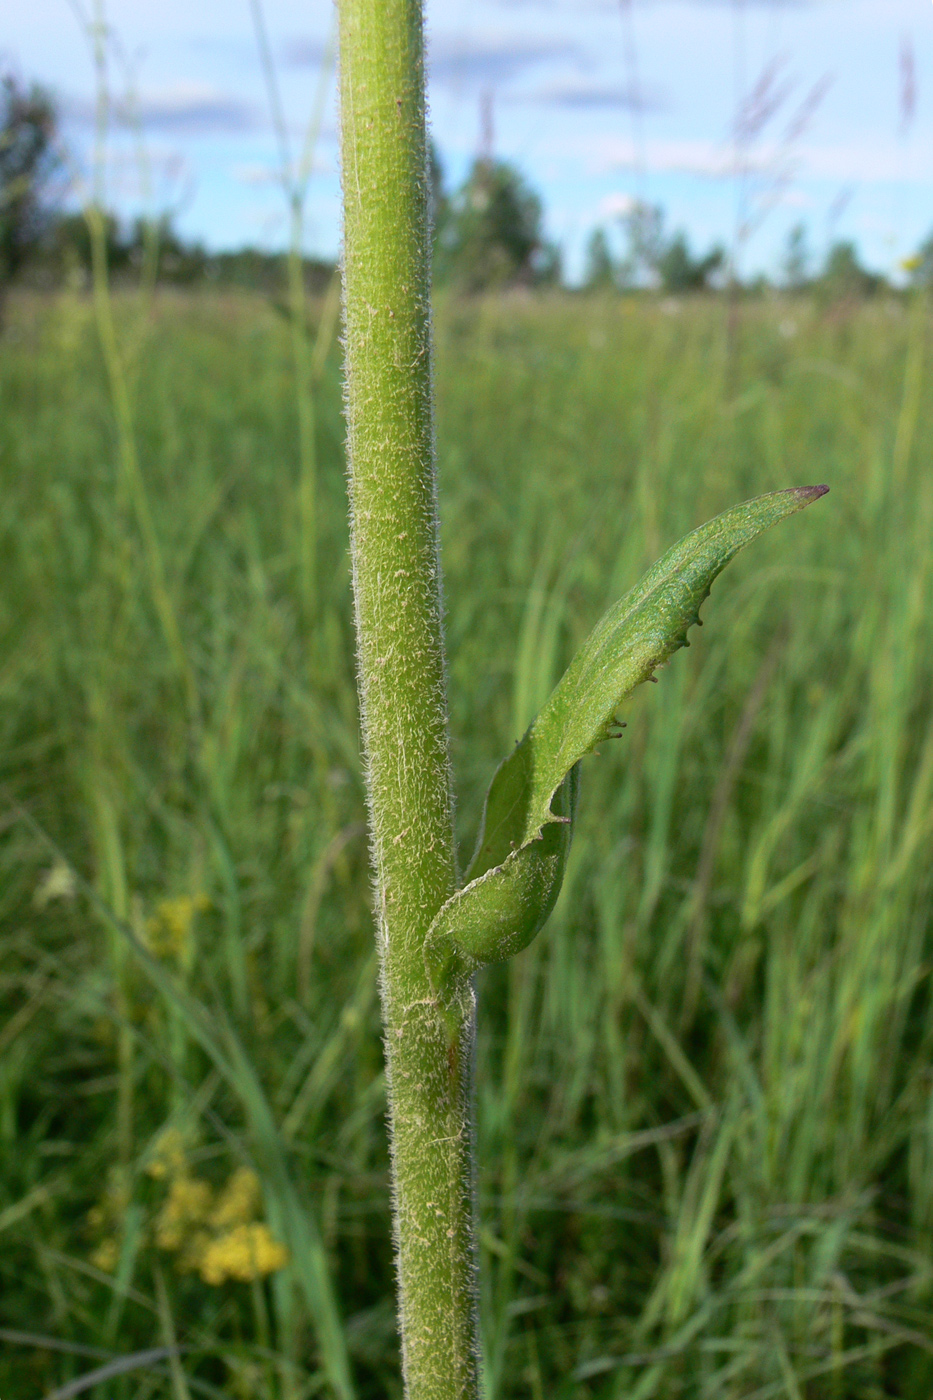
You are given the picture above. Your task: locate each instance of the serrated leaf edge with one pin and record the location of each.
(468, 964)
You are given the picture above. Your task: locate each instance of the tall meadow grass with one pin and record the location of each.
(705, 1101)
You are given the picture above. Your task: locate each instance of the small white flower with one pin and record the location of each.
(57, 883)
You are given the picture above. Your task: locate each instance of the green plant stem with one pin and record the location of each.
(402, 681)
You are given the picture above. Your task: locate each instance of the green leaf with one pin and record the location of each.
(515, 876)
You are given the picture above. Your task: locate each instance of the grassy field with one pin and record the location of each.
(705, 1098)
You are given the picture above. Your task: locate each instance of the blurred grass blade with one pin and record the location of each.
(180, 1389)
(515, 876)
(139, 1360)
(43, 1343)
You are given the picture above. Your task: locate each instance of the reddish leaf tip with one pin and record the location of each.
(810, 493)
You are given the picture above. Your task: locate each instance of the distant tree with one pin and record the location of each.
(844, 277)
(654, 260)
(438, 199)
(679, 271)
(492, 234)
(67, 243)
(643, 227)
(29, 165)
(177, 261)
(797, 260)
(920, 266)
(547, 264)
(127, 247)
(599, 271)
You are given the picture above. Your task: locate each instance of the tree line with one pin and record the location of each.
(488, 234)
(653, 259)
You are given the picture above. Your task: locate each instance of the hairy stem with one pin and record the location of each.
(402, 681)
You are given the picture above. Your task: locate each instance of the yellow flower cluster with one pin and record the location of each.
(178, 1223)
(168, 931)
(245, 1252)
(216, 1235)
(239, 1201)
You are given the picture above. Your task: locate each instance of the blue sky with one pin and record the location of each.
(598, 101)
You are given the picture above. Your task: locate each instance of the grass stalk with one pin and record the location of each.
(132, 486)
(402, 678)
(295, 185)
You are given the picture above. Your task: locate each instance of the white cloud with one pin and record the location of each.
(856, 160)
(196, 108)
(592, 97)
(616, 206)
(256, 176)
(180, 108)
(493, 59)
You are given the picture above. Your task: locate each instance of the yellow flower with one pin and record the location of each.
(219, 1236)
(188, 1205)
(106, 1255)
(168, 1155)
(239, 1200)
(244, 1253)
(168, 931)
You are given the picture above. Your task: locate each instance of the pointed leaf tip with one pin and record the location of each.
(809, 493)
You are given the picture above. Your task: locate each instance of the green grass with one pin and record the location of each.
(705, 1100)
